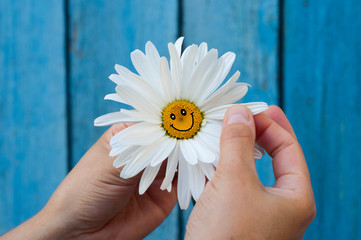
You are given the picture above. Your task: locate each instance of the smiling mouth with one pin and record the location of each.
(185, 129)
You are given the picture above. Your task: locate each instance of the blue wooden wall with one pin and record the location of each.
(55, 57)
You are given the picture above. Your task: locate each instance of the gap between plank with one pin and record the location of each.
(280, 54)
(67, 47)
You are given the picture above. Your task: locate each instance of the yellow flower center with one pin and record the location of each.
(181, 119)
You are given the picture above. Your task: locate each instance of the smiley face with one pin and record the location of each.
(182, 119)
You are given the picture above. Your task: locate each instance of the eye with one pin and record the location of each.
(183, 112)
(172, 116)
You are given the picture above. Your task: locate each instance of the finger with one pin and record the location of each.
(102, 145)
(237, 144)
(289, 165)
(98, 162)
(114, 130)
(276, 113)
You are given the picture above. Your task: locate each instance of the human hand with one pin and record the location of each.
(234, 204)
(93, 202)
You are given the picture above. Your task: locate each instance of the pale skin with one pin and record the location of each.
(94, 203)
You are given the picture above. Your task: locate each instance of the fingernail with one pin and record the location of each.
(237, 114)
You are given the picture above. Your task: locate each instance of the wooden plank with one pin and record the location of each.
(249, 29)
(322, 69)
(33, 154)
(104, 33)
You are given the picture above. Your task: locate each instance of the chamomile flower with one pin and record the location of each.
(179, 109)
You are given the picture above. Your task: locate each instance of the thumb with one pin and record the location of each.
(237, 144)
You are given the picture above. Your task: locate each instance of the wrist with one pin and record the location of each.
(43, 225)
(50, 225)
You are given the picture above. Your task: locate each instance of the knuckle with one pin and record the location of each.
(276, 108)
(288, 143)
(306, 208)
(310, 211)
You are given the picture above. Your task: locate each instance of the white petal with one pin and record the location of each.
(145, 67)
(256, 107)
(228, 58)
(236, 92)
(116, 79)
(122, 71)
(203, 71)
(216, 161)
(203, 50)
(203, 153)
(196, 180)
(184, 55)
(189, 65)
(257, 154)
(207, 169)
(213, 78)
(183, 190)
(164, 151)
(139, 62)
(139, 102)
(152, 54)
(122, 79)
(210, 140)
(139, 134)
(258, 151)
(125, 156)
(143, 159)
(176, 70)
(214, 121)
(120, 162)
(155, 95)
(178, 45)
(118, 150)
(188, 152)
(171, 168)
(217, 113)
(166, 78)
(259, 148)
(114, 97)
(148, 176)
(212, 129)
(139, 115)
(227, 61)
(115, 117)
(211, 102)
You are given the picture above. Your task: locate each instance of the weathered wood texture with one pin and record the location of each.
(33, 148)
(322, 71)
(103, 33)
(55, 57)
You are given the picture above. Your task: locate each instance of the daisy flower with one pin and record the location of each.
(179, 109)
